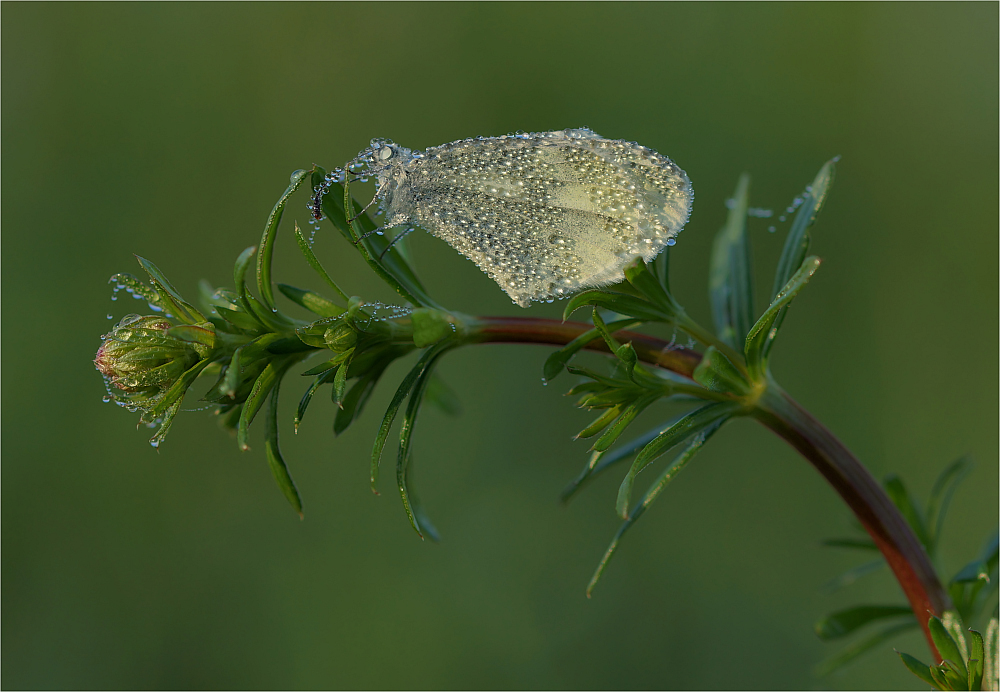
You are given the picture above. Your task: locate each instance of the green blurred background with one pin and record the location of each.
(169, 130)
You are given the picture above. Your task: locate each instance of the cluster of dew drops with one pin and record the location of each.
(759, 213)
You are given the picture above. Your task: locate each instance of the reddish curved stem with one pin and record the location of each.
(786, 418)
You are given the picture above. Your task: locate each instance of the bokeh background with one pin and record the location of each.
(169, 130)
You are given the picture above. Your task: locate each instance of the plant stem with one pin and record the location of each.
(786, 418)
(858, 488)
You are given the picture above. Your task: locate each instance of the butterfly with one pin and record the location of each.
(543, 214)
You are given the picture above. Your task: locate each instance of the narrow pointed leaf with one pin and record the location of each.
(918, 668)
(731, 272)
(170, 299)
(239, 319)
(442, 396)
(311, 301)
(261, 388)
(165, 423)
(178, 389)
(977, 656)
(953, 623)
(642, 278)
(558, 359)
(852, 575)
(307, 397)
(947, 646)
(797, 243)
(599, 461)
(240, 269)
(357, 231)
(654, 491)
(375, 245)
(340, 380)
(863, 646)
(991, 644)
(941, 494)
(615, 431)
(278, 468)
(844, 622)
(426, 360)
(717, 373)
(900, 497)
(764, 329)
(855, 543)
(354, 401)
(405, 437)
(617, 302)
(264, 283)
(691, 424)
(314, 262)
(601, 422)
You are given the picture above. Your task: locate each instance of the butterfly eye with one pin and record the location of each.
(385, 153)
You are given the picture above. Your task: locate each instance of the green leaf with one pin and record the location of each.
(355, 400)
(855, 543)
(165, 423)
(897, 492)
(691, 424)
(240, 269)
(764, 331)
(442, 396)
(617, 302)
(273, 452)
(858, 648)
(599, 461)
(731, 272)
(239, 319)
(261, 387)
(340, 379)
(601, 422)
(558, 359)
(797, 243)
(717, 373)
(675, 467)
(170, 299)
(991, 681)
(401, 287)
(178, 389)
(264, 283)
(918, 668)
(405, 436)
(307, 397)
(428, 358)
(644, 280)
(375, 246)
(314, 262)
(311, 301)
(844, 622)
(615, 431)
(946, 646)
(852, 575)
(977, 657)
(941, 494)
(980, 568)
(953, 623)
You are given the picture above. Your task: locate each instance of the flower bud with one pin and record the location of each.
(340, 337)
(140, 357)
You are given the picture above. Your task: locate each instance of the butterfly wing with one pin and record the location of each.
(547, 214)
